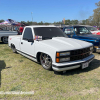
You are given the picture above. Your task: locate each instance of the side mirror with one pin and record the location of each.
(30, 40)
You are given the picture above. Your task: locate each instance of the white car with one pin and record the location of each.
(49, 46)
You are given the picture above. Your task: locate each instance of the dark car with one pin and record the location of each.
(82, 33)
(1, 28)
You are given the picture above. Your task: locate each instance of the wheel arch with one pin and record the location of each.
(12, 45)
(38, 56)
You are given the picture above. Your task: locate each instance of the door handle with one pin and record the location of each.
(21, 42)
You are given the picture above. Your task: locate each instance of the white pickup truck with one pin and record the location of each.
(49, 46)
(5, 34)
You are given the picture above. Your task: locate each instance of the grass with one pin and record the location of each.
(18, 73)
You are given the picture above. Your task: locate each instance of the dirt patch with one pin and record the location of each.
(90, 91)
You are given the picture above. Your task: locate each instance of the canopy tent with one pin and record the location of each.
(5, 23)
(13, 22)
(10, 22)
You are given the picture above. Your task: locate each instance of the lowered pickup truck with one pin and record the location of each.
(49, 46)
(5, 34)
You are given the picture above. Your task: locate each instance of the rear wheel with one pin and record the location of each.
(5, 39)
(13, 48)
(46, 61)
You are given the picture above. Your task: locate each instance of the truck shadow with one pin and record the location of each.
(1, 42)
(93, 65)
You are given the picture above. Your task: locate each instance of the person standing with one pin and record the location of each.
(21, 29)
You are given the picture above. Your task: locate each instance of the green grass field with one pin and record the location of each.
(18, 73)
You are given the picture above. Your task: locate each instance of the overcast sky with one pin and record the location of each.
(46, 10)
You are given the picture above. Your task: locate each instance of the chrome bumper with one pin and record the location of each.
(71, 65)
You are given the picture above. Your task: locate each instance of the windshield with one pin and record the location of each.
(81, 30)
(91, 28)
(49, 32)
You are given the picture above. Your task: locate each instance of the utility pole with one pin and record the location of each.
(32, 17)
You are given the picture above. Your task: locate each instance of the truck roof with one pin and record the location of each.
(33, 26)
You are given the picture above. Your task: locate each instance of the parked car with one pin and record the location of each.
(82, 33)
(49, 46)
(5, 33)
(93, 30)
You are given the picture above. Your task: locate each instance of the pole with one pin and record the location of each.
(32, 17)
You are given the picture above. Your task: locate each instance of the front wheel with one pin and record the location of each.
(46, 61)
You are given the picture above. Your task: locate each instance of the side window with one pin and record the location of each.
(77, 30)
(69, 31)
(28, 34)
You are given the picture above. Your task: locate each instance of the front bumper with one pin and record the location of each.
(96, 49)
(71, 65)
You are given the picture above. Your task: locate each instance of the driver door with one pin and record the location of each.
(27, 47)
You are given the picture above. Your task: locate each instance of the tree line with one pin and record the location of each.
(67, 22)
(93, 20)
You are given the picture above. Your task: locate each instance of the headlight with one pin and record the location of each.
(64, 59)
(65, 54)
(62, 54)
(59, 60)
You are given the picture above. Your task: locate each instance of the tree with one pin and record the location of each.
(96, 14)
(91, 21)
(75, 22)
(40, 23)
(1, 20)
(67, 22)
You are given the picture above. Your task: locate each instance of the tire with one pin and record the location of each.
(5, 39)
(46, 61)
(13, 49)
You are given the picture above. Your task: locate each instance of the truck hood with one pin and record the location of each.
(90, 36)
(64, 44)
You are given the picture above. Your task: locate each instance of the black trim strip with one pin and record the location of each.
(71, 64)
(26, 54)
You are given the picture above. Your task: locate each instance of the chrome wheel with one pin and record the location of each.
(46, 61)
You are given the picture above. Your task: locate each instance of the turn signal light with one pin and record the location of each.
(57, 60)
(57, 54)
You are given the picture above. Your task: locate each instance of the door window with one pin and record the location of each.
(27, 34)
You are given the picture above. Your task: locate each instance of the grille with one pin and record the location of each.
(79, 54)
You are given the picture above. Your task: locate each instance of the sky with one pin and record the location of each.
(46, 10)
